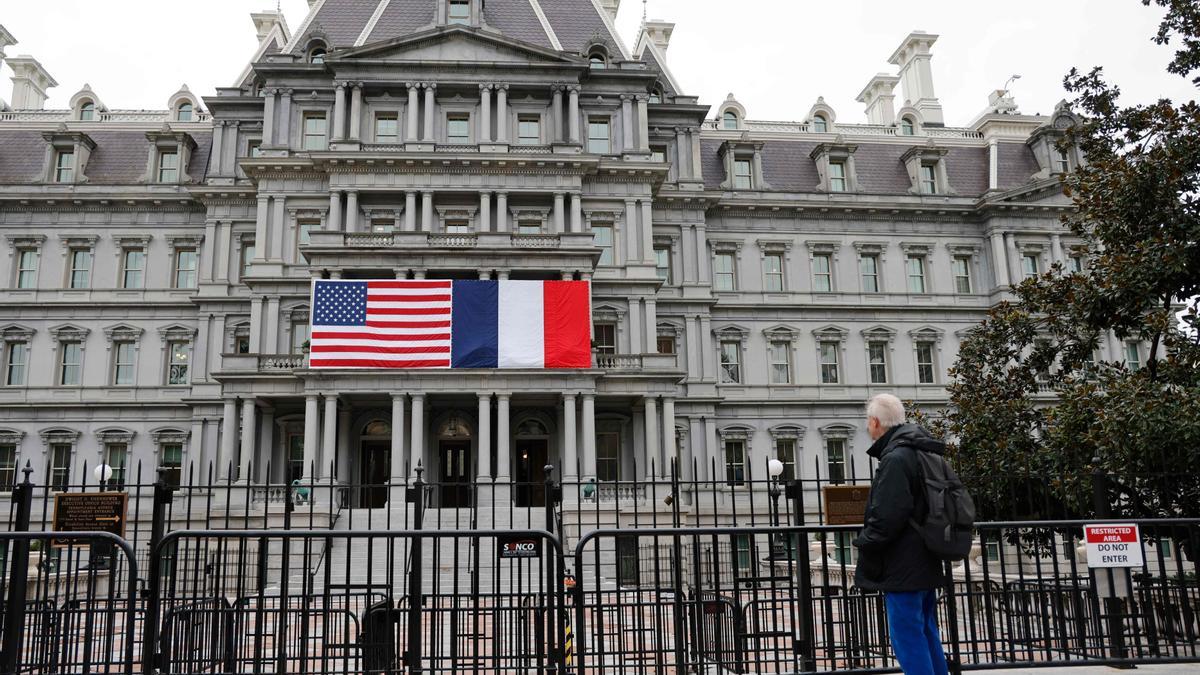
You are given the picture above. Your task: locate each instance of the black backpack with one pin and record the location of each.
(948, 529)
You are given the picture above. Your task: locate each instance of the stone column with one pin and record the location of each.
(999, 260)
(712, 456)
(356, 100)
(576, 212)
(229, 439)
(650, 343)
(333, 222)
(249, 437)
(647, 231)
(283, 128)
(559, 224)
(556, 115)
(218, 148)
(502, 113)
(668, 436)
(352, 211)
(630, 233)
(683, 165)
(484, 445)
(430, 110)
(503, 451)
(398, 457)
(485, 211)
(589, 437)
(643, 116)
(329, 437)
(1015, 274)
(312, 425)
(339, 112)
(427, 211)
(271, 326)
(268, 130)
(256, 325)
(416, 449)
(231, 149)
(502, 210)
(485, 113)
(573, 115)
(1056, 248)
(260, 228)
(413, 111)
(697, 172)
(626, 123)
(650, 453)
(277, 229)
(410, 211)
(570, 457)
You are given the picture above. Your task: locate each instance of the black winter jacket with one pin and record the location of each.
(892, 555)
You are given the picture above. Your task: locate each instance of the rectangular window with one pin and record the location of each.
(8, 467)
(773, 269)
(69, 364)
(835, 457)
(178, 355)
(248, 253)
(724, 272)
(822, 273)
(1063, 161)
(830, 364)
(64, 167)
(606, 338)
(186, 262)
(529, 227)
(254, 148)
(458, 227)
(387, 128)
(743, 174)
(1075, 264)
(731, 362)
(59, 468)
(666, 344)
(133, 268)
(608, 456)
(780, 355)
(295, 446)
(81, 268)
(123, 362)
(460, 12)
(1030, 265)
(735, 462)
(926, 373)
(785, 452)
(241, 344)
(928, 179)
(315, 136)
(962, 274)
(16, 364)
(172, 462)
(658, 154)
(299, 336)
(837, 176)
(599, 142)
(743, 553)
(628, 565)
(843, 551)
(916, 274)
(991, 550)
(1133, 356)
(27, 260)
(458, 129)
(168, 166)
(603, 236)
(877, 355)
(304, 230)
(529, 130)
(662, 263)
(116, 456)
(868, 268)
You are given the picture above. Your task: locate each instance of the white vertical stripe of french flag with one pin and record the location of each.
(521, 324)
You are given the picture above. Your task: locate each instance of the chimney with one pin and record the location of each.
(916, 76)
(659, 32)
(611, 6)
(30, 82)
(266, 20)
(880, 98)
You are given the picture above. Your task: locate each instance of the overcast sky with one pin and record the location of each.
(776, 56)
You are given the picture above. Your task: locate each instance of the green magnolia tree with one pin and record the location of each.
(1040, 428)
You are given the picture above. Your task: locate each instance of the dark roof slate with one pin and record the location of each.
(652, 61)
(119, 158)
(576, 23)
(401, 18)
(341, 22)
(517, 20)
(1017, 165)
(22, 156)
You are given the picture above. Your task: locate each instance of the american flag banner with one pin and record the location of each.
(450, 324)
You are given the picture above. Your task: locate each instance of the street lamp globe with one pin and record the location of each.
(102, 472)
(775, 468)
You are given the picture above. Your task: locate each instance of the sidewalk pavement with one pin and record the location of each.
(1167, 669)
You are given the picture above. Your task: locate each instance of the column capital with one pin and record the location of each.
(559, 194)
(485, 87)
(502, 193)
(573, 88)
(642, 98)
(503, 397)
(412, 86)
(626, 97)
(485, 193)
(502, 86)
(427, 194)
(399, 397)
(341, 85)
(287, 92)
(430, 86)
(570, 396)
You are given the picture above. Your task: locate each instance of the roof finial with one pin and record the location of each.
(645, 9)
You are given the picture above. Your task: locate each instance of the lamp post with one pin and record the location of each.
(775, 491)
(103, 473)
(102, 551)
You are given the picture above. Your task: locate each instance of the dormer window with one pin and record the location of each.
(729, 121)
(835, 167)
(743, 174)
(927, 170)
(87, 112)
(597, 61)
(169, 156)
(317, 55)
(66, 158)
(460, 12)
(168, 166)
(64, 166)
(184, 114)
(907, 127)
(837, 176)
(820, 125)
(928, 178)
(1062, 161)
(656, 95)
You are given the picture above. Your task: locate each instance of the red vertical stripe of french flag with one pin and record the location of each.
(522, 324)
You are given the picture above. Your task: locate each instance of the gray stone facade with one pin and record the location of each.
(753, 282)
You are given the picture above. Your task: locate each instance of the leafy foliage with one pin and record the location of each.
(1035, 418)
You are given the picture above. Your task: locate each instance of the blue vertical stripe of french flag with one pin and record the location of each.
(521, 324)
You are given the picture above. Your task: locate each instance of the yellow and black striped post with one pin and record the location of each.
(569, 645)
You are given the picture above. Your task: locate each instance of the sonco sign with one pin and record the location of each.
(517, 546)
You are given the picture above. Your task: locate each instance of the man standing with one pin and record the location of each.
(893, 557)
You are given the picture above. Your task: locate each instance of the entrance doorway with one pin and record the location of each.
(532, 454)
(375, 473)
(455, 477)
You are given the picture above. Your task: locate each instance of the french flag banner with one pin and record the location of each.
(451, 324)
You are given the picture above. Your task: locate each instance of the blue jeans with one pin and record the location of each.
(912, 622)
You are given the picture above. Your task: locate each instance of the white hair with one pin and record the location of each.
(887, 409)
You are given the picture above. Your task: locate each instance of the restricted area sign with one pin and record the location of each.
(1113, 545)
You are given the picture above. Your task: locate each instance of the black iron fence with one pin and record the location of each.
(690, 575)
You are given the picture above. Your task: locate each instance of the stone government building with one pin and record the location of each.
(753, 282)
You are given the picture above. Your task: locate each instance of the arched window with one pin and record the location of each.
(454, 427)
(907, 128)
(596, 61)
(185, 112)
(317, 55)
(378, 428)
(819, 124)
(730, 120)
(656, 96)
(532, 428)
(87, 112)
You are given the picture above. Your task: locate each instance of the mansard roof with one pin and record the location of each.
(119, 158)
(472, 46)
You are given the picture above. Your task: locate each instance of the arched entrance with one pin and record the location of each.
(375, 463)
(455, 461)
(532, 445)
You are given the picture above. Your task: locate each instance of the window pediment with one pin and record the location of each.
(170, 435)
(731, 333)
(52, 436)
(837, 431)
(176, 333)
(70, 241)
(11, 436)
(781, 333)
(927, 334)
(823, 246)
(123, 333)
(775, 245)
(879, 333)
(25, 240)
(69, 333)
(831, 334)
(793, 432)
(115, 435)
(176, 241)
(16, 333)
(735, 433)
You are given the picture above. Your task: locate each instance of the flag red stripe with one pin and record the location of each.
(567, 324)
(409, 284)
(368, 363)
(374, 323)
(343, 335)
(382, 350)
(408, 298)
(372, 311)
